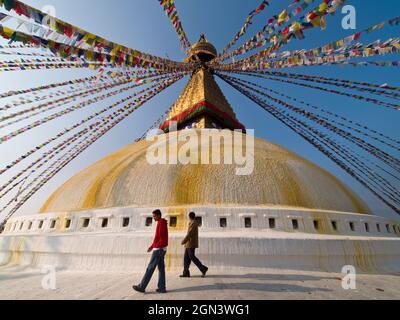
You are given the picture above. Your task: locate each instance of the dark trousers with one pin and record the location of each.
(190, 256)
(157, 260)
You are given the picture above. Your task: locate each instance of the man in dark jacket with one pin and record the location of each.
(191, 243)
(159, 248)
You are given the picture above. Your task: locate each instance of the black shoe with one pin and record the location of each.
(138, 289)
(204, 272)
(161, 291)
(184, 276)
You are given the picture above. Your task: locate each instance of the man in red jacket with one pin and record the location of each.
(159, 248)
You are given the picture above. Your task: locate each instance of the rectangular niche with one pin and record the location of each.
(125, 222)
(85, 223)
(104, 222)
(173, 221)
(223, 222)
(148, 222)
(67, 223)
(272, 223)
(248, 222)
(52, 224)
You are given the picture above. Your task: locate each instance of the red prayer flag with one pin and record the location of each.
(357, 36)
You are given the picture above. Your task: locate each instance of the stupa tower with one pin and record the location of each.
(202, 104)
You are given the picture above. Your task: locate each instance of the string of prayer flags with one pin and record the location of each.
(90, 88)
(52, 104)
(79, 36)
(270, 27)
(41, 88)
(312, 19)
(353, 125)
(350, 50)
(105, 121)
(345, 42)
(340, 58)
(348, 125)
(65, 131)
(248, 22)
(129, 109)
(295, 125)
(40, 162)
(68, 110)
(28, 54)
(304, 131)
(264, 74)
(18, 66)
(70, 53)
(257, 60)
(337, 82)
(172, 13)
(375, 151)
(352, 82)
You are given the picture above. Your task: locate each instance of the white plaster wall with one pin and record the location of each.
(118, 248)
(269, 249)
(211, 221)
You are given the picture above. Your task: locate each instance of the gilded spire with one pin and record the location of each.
(202, 103)
(202, 51)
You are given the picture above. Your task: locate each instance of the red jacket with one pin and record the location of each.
(161, 237)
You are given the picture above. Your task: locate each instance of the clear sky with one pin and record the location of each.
(141, 24)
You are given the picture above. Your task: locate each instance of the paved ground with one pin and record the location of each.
(271, 284)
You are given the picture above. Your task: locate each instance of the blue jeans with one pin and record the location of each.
(190, 256)
(157, 260)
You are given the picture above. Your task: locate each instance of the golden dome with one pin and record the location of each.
(202, 50)
(280, 178)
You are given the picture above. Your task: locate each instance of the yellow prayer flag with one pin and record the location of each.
(316, 22)
(323, 7)
(295, 26)
(8, 32)
(379, 26)
(340, 43)
(283, 16)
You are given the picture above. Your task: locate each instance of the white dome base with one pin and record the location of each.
(232, 237)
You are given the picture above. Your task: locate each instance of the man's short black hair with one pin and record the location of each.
(157, 213)
(192, 215)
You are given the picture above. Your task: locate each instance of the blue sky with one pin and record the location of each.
(142, 25)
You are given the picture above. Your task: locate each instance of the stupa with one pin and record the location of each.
(288, 213)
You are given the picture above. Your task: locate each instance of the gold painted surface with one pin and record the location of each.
(202, 46)
(201, 87)
(280, 178)
(16, 249)
(363, 257)
(181, 226)
(101, 191)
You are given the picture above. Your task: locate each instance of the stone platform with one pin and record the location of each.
(270, 284)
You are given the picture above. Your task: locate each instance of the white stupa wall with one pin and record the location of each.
(120, 245)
